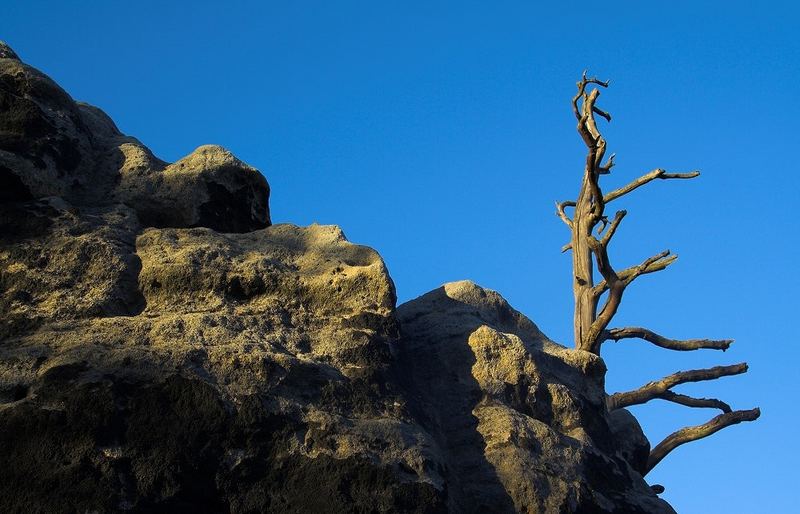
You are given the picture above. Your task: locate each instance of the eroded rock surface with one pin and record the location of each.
(164, 349)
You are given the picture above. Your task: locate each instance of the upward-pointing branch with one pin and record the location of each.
(652, 264)
(644, 179)
(613, 227)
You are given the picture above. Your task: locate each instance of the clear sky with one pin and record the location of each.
(440, 133)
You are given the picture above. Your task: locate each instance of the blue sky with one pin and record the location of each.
(440, 133)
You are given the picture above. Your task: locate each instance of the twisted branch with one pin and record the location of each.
(560, 206)
(585, 81)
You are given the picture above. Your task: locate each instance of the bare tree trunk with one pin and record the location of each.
(591, 234)
(583, 280)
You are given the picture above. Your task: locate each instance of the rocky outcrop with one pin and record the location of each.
(164, 349)
(53, 146)
(520, 420)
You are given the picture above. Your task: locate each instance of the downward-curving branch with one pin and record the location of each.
(657, 173)
(657, 388)
(689, 401)
(616, 334)
(560, 210)
(689, 434)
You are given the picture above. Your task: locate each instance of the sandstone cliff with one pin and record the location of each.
(163, 348)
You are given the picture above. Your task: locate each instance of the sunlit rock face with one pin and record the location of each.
(519, 420)
(163, 348)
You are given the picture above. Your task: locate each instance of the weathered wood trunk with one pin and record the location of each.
(583, 271)
(592, 327)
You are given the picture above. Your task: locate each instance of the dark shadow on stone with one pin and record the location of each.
(88, 444)
(224, 211)
(132, 301)
(442, 394)
(24, 220)
(13, 393)
(12, 189)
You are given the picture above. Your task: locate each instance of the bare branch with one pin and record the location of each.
(689, 401)
(671, 344)
(606, 168)
(601, 112)
(560, 206)
(644, 179)
(689, 434)
(656, 388)
(652, 264)
(602, 223)
(582, 89)
(613, 227)
(566, 247)
(616, 287)
(587, 126)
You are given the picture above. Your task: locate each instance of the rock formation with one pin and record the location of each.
(164, 349)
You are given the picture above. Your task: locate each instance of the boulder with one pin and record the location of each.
(207, 188)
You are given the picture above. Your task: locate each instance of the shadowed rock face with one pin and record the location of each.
(164, 349)
(53, 146)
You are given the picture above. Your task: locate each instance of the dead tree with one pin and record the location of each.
(597, 303)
